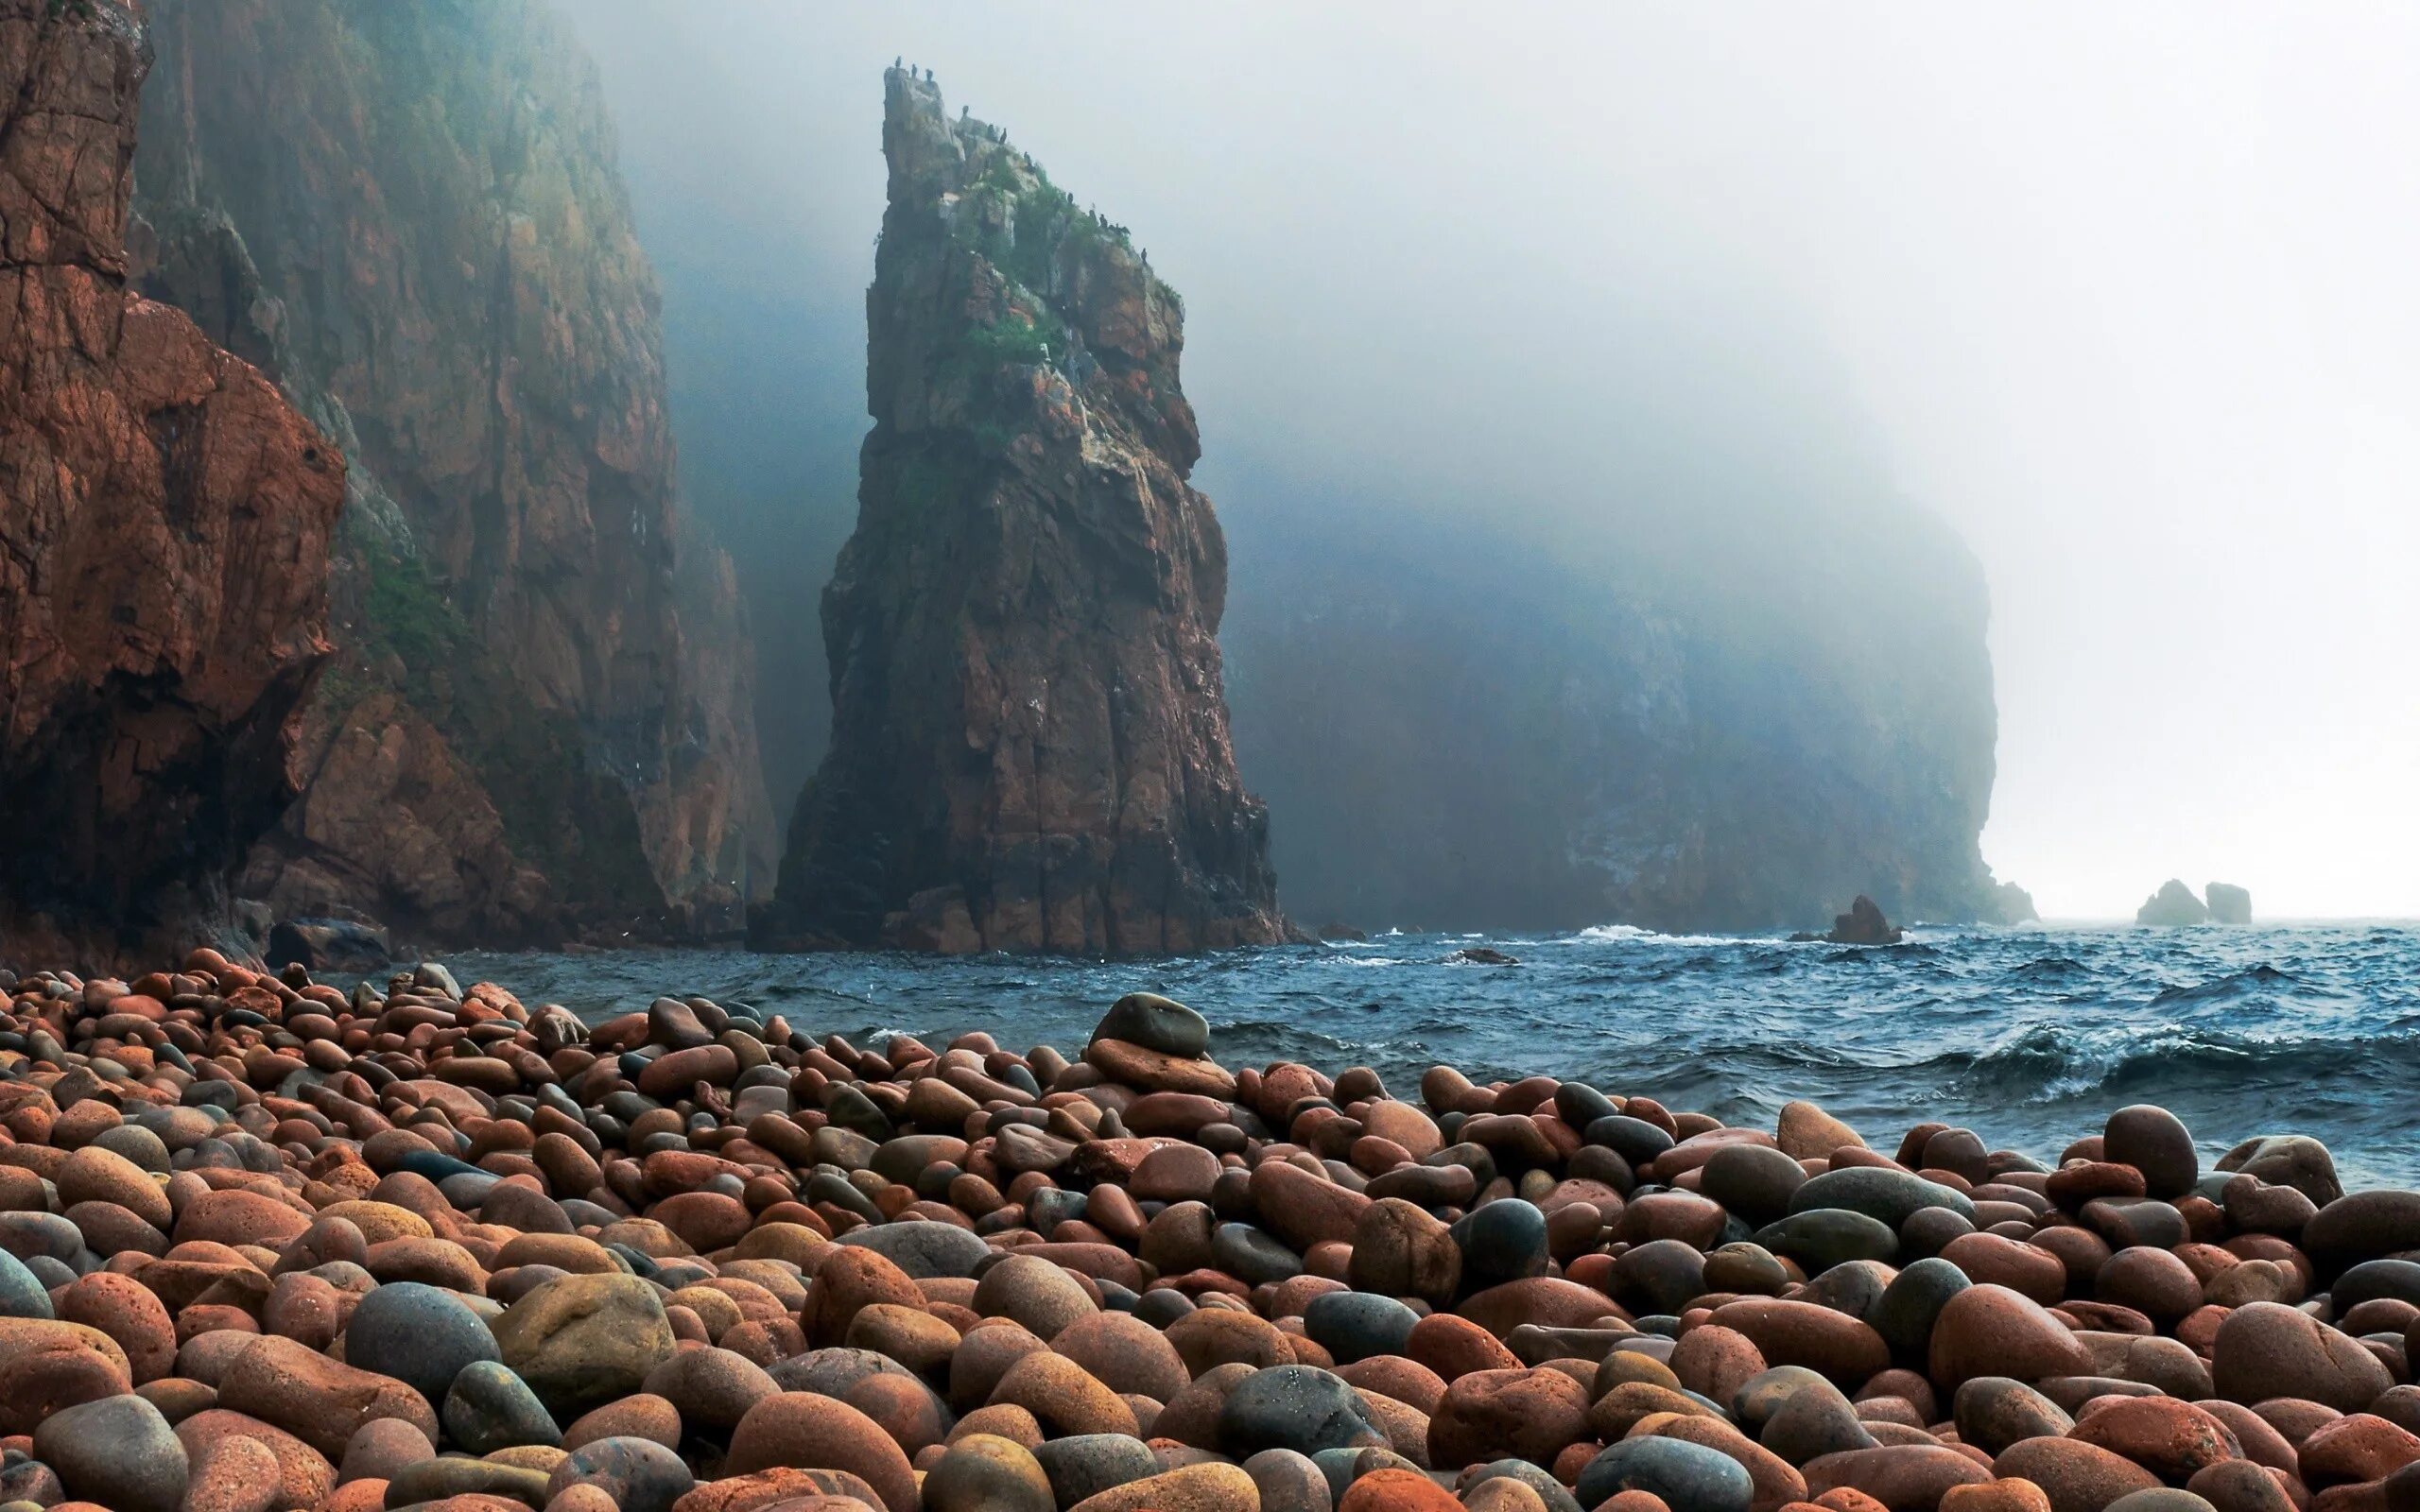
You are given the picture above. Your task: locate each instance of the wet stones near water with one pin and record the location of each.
(369, 1249)
(1155, 1023)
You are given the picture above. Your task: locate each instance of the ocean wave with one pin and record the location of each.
(1632, 934)
(2030, 1037)
(2047, 1063)
(2060, 967)
(2234, 984)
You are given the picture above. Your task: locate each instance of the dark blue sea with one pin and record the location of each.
(2030, 1036)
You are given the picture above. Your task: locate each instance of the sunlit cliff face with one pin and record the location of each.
(2124, 300)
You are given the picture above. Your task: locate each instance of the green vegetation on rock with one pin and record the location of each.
(560, 813)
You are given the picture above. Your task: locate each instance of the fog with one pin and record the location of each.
(2125, 296)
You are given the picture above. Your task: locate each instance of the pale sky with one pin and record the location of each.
(2130, 296)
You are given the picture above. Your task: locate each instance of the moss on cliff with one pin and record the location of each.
(563, 815)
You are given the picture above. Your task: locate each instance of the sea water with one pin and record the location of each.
(2030, 1036)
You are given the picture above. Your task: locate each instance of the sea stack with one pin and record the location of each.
(1030, 746)
(1863, 924)
(2229, 903)
(2173, 906)
(164, 543)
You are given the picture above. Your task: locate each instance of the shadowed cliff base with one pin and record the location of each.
(1030, 749)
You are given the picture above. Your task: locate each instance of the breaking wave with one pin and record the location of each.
(2030, 1037)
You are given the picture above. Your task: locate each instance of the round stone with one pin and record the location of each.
(1353, 1326)
(129, 1311)
(1994, 1411)
(640, 1474)
(1253, 1256)
(1297, 1407)
(582, 1340)
(119, 1451)
(2076, 1476)
(803, 1429)
(1688, 1477)
(1084, 1464)
(487, 1408)
(422, 1335)
(1821, 1238)
(233, 1476)
(1755, 1181)
(1400, 1250)
(924, 1251)
(2267, 1349)
(1896, 1475)
(96, 1175)
(1126, 1354)
(1501, 1241)
(380, 1448)
(1990, 1330)
(1882, 1193)
(441, 1480)
(711, 1388)
(1288, 1482)
(984, 1472)
(1905, 1312)
(1031, 1292)
(2156, 1143)
(21, 1293)
(1531, 1413)
(2364, 1226)
(1155, 1023)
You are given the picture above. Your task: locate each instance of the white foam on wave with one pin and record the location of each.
(1621, 934)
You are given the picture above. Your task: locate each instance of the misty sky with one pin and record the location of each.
(2131, 297)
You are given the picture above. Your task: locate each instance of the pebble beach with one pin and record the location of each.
(272, 1244)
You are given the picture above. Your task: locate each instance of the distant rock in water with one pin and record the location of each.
(164, 522)
(2174, 905)
(1483, 955)
(2010, 904)
(1863, 924)
(2229, 903)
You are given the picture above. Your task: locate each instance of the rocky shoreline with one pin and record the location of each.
(267, 1244)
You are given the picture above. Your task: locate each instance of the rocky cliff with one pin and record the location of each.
(164, 522)
(1460, 727)
(1030, 746)
(540, 717)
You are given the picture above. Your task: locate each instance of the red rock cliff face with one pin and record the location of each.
(165, 521)
(540, 718)
(1030, 740)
